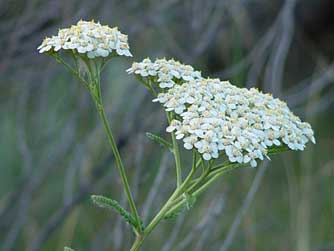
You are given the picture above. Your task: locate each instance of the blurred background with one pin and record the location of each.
(54, 153)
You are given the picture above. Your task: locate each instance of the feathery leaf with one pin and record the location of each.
(160, 141)
(105, 202)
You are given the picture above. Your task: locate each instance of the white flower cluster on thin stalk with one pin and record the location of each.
(166, 72)
(88, 38)
(215, 116)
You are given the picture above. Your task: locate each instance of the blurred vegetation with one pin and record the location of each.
(54, 153)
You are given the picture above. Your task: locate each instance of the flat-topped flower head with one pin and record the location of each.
(165, 72)
(88, 38)
(216, 117)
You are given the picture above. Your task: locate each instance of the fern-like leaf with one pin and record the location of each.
(105, 202)
(160, 141)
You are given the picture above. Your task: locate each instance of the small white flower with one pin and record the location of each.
(253, 163)
(206, 156)
(174, 125)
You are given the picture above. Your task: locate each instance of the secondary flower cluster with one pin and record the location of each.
(215, 116)
(166, 72)
(90, 38)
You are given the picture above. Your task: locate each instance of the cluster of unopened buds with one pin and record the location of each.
(215, 117)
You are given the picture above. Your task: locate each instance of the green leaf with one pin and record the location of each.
(160, 141)
(105, 202)
(278, 149)
(68, 249)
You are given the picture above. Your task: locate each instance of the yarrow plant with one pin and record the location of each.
(225, 127)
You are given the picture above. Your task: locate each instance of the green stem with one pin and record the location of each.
(94, 86)
(176, 155)
(213, 179)
(119, 163)
(176, 151)
(224, 168)
(195, 192)
(200, 179)
(168, 205)
(194, 183)
(70, 69)
(120, 166)
(136, 245)
(177, 161)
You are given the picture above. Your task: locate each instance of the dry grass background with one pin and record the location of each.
(53, 152)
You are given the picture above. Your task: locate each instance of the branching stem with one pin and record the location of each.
(168, 205)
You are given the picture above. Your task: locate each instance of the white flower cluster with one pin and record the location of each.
(89, 38)
(214, 116)
(167, 72)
